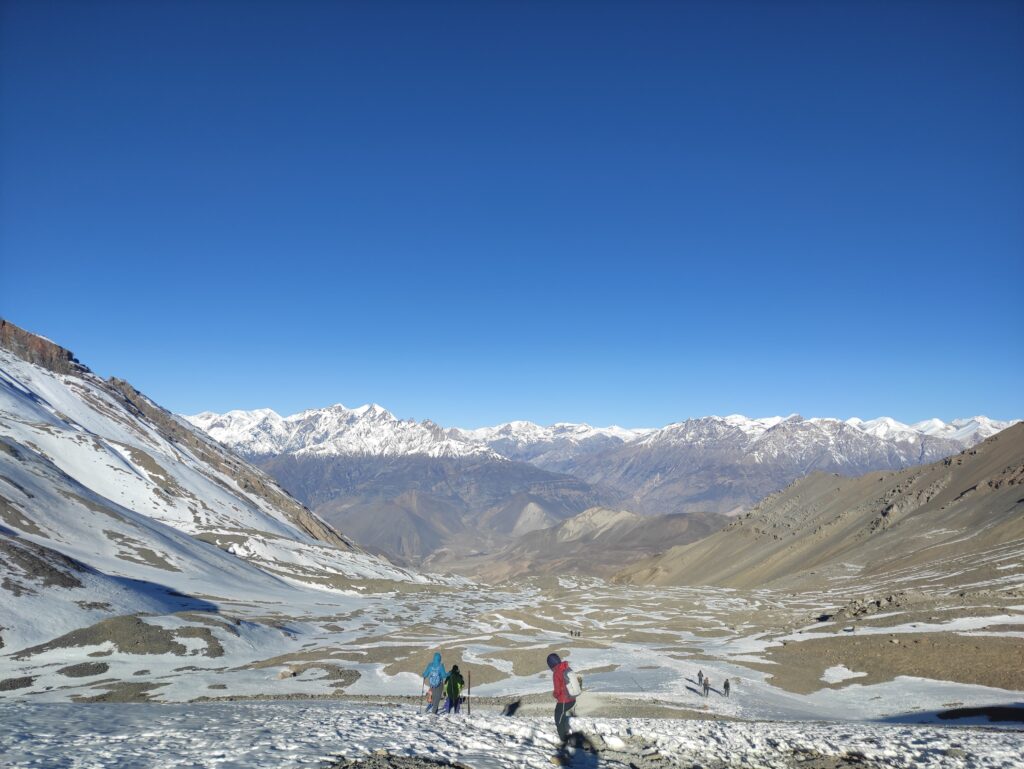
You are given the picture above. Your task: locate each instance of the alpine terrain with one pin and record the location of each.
(142, 561)
(957, 521)
(449, 498)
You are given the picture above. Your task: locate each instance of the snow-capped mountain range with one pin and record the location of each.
(369, 430)
(372, 430)
(362, 467)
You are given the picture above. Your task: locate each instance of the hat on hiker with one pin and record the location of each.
(553, 660)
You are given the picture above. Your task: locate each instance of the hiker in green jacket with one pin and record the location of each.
(453, 690)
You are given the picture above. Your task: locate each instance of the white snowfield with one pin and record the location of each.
(277, 735)
(371, 430)
(86, 476)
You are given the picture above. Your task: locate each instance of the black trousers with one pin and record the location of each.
(563, 710)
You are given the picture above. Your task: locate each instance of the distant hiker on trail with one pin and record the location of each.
(725, 687)
(453, 690)
(565, 698)
(700, 678)
(434, 675)
(707, 685)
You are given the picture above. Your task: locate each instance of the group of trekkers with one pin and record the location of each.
(444, 685)
(705, 683)
(567, 686)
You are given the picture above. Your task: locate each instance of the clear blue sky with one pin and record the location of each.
(614, 212)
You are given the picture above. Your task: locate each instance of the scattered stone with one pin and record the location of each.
(83, 669)
(387, 761)
(121, 691)
(129, 634)
(10, 684)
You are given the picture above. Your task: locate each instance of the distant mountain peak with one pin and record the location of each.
(371, 429)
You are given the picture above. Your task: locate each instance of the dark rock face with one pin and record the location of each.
(37, 350)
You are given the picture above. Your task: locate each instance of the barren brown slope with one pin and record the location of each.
(956, 515)
(598, 542)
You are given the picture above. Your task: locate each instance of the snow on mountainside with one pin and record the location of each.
(369, 430)
(969, 431)
(552, 447)
(708, 464)
(92, 469)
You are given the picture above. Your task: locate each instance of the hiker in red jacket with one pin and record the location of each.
(565, 701)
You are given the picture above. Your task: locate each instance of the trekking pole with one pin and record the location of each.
(469, 692)
(419, 705)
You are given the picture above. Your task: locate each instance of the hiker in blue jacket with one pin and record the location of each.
(434, 676)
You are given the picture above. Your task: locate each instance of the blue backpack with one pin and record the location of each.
(434, 679)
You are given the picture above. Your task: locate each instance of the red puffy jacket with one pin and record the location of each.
(558, 675)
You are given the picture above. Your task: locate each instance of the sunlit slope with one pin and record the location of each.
(598, 542)
(88, 458)
(959, 520)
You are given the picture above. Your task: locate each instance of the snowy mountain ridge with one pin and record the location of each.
(372, 430)
(368, 430)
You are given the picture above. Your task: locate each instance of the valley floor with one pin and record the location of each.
(319, 734)
(787, 656)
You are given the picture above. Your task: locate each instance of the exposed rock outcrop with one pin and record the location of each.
(38, 350)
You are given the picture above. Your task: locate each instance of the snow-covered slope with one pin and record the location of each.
(334, 431)
(316, 733)
(552, 447)
(969, 432)
(94, 470)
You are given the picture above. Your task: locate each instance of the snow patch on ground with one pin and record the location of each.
(838, 673)
(290, 734)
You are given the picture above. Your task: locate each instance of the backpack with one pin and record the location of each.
(454, 687)
(434, 679)
(573, 683)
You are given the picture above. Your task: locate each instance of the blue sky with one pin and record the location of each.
(608, 212)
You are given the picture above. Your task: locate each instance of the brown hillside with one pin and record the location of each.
(963, 513)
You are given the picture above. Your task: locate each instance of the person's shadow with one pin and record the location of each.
(585, 755)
